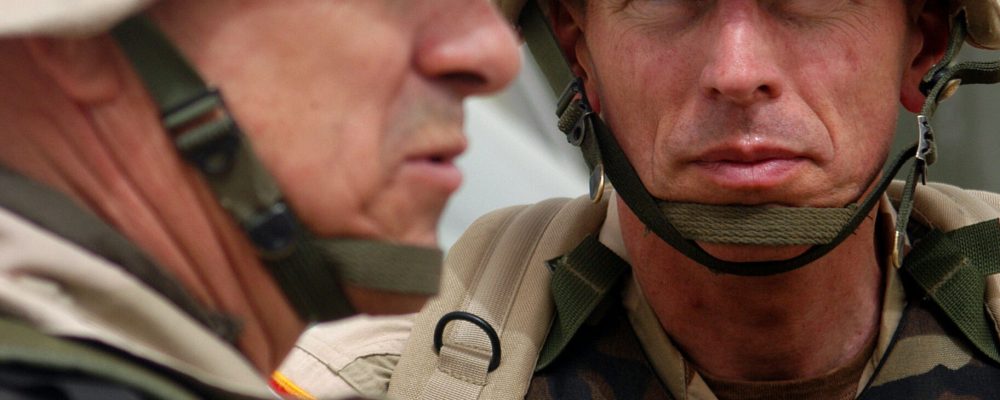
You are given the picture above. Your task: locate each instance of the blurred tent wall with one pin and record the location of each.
(515, 156)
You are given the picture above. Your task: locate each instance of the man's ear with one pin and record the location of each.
(566, 19)
(929, 40)
(84, 68)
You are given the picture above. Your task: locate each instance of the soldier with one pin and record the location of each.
(752, 246)
(187, 184)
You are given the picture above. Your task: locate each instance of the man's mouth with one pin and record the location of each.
(435, 169)
(749, 169)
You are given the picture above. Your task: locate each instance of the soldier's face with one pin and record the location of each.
(750, 102)
(354, 105)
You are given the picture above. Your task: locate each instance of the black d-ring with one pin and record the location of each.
(477, 321)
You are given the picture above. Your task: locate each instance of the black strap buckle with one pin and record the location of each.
(573, 110)
(273, 231)
(204, 132)
(477, 321)
(206, 135)
(925, 154)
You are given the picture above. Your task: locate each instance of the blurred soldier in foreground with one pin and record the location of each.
(185, 185)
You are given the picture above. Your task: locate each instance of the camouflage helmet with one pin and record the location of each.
(64, 18)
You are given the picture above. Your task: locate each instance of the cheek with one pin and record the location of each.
(857, 101)
(637, 96)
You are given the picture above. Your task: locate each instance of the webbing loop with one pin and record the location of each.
(950, 269)
(581, 280)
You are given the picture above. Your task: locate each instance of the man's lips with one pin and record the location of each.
(435, 168)
(749, 169)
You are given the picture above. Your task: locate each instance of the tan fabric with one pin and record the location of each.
(64, 17)
(480, 250)
(509, 240)
(348, 357)
(946, 207)
(63, 290)
(983, 17)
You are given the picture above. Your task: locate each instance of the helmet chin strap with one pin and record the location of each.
(308, 269)
(682, 225)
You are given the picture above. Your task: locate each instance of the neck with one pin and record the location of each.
(115, 159)
(794, 325)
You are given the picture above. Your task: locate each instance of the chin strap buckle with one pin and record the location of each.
(573, 110)
(926, 149)
(576, 120)
(204, 132)
(206, 135)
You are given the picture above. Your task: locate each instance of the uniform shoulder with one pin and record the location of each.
(948, 207)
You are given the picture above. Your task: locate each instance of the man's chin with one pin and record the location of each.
(381, 302)
(751, 253)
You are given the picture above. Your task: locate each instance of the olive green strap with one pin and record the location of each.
(386, 266)
(951, 269)
(207, 136)
(171, 81)
(757, 226)
(546, 52)
(24, 345)
(580, 281)
(938, 84)
(647, 209)
(310, 285)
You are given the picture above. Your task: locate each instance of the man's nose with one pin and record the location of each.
(742, 62)
(473, 50)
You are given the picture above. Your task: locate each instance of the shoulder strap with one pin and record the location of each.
(23, 345)
(957, 264)
(59, 214)
(581, 280)
(951, 269)
(495, 307)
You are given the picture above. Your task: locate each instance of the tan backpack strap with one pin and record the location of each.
(957, 263)
(946, 208)
(497, 274)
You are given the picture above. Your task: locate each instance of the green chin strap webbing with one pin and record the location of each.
(680, 225)
(307, 268)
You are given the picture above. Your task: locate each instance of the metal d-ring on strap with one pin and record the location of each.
(477, 321)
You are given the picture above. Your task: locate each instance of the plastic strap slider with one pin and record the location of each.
(573, 110)
(204, 132)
